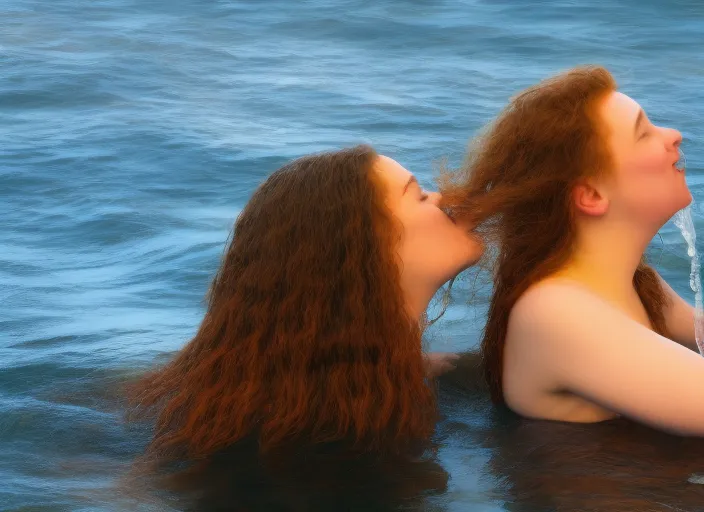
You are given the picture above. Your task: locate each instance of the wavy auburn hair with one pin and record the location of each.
(306, 336)
(516, 184)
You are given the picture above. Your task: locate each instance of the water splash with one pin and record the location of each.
(683, 220)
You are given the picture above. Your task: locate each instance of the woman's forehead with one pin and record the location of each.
(394, 174)
(620, 112)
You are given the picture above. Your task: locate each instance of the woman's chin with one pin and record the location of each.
(470, 261)
(685, 202)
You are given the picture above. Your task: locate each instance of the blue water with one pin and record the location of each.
(132, 133)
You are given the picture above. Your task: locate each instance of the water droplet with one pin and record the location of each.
(696, 478)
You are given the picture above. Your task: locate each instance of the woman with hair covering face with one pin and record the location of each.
(312, 334)
(571, 182)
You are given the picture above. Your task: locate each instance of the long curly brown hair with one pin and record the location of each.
(516, 184)
(306, 337)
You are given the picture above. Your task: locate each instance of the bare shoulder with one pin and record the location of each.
(565, 324)
(550, 300)
(543, 320)
(538, 330)
(558, 315)
(564, 337)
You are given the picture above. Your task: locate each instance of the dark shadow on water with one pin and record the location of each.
(97, 452)
(237, 480)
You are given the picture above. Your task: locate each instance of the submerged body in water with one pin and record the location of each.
(501, 462)
(615, 465)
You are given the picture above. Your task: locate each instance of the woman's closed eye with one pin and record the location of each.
(422, 193)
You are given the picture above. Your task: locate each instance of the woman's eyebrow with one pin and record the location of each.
(412, 179)
(639, 120)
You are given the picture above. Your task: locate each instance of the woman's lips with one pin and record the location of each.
(681, 160)
(462, 223)
(449, 213)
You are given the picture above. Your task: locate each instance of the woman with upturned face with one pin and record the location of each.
(570, 183)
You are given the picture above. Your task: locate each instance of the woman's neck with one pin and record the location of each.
(417, 302)
(606, 256)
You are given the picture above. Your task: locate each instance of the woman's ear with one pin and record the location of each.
(589, 199)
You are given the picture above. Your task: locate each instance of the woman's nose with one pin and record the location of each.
(674, 138)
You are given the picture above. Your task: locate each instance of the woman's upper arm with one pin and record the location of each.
(589, 348)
